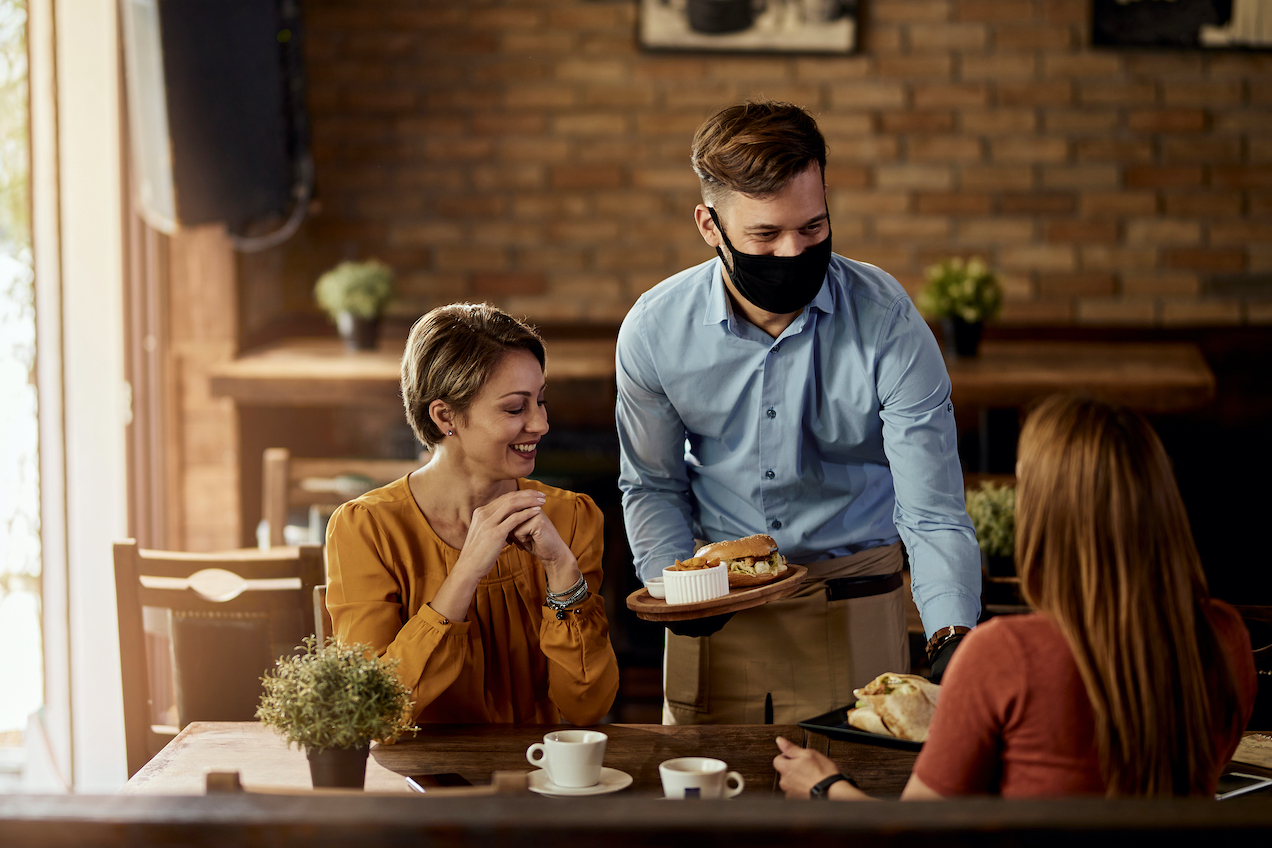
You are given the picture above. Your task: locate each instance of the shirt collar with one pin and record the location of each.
(824, 301)
(720, 311)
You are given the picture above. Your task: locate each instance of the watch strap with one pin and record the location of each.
(942, 636)
(822, 788)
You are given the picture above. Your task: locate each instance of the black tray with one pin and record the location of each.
(835, 725)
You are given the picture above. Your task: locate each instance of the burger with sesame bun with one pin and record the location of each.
(752, 561)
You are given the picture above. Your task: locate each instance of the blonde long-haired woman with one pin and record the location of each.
(1128, 680)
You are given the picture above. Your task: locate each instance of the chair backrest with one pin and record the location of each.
(1258, 620)
(229, 614)
(289, 482)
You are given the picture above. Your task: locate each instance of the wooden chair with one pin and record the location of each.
(289, 482)
(231, 614)
(1258, 620)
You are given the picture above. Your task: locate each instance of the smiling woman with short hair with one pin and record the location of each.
(482, 583)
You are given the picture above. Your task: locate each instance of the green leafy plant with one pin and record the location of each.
(359, 288)
(960, 288)
(335, 696)
(993, 511)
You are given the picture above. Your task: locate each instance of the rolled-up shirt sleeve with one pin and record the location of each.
(655, 484)
(364, 598)
(921, 442)
(582, 667)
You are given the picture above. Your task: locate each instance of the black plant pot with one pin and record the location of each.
(357, 332)
(341, 767)
(962, 338)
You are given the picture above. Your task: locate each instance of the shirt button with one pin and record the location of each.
(776, 347)
(769, 474)
(772, 413)
(775, 524)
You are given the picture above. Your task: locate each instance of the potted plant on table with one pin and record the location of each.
(333, 700)
(354, 295)
(962, 295)
(992, 508)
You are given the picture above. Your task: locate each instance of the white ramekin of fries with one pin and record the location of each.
(695, 580)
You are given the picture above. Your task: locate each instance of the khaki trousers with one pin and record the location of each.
(805, 652)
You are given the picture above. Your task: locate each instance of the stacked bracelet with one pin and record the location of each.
(560, 601)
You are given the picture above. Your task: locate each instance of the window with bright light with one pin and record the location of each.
(21, 664)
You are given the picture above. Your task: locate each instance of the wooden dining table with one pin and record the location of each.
(475, 751)
(165, 803)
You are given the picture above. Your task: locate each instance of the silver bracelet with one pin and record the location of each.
(568, 592)
(560, 604)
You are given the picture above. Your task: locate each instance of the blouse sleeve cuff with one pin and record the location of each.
(586, 609)
(440, 623)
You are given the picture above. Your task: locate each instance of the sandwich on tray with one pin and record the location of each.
(752, 561)
(895, 704)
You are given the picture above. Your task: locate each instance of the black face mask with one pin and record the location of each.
(777, 284)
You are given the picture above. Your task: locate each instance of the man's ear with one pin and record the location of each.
(706, 226)
(441, 415)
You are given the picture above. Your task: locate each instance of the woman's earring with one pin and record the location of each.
(450, 432)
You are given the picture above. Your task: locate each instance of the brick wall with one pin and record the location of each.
(529, 153)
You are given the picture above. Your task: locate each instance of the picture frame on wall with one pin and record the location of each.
(1183, 24)
(750, 26)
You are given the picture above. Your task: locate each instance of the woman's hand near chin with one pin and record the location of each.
(539, 537)
(490, 529)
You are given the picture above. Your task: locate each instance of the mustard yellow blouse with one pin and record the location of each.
(512, 661)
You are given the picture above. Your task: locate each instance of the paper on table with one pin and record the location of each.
(1255, 749)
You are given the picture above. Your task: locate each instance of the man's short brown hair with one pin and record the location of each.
(451, 353)
(755, 148)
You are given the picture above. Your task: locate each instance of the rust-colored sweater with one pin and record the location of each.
(1014, 718)
(512, 660)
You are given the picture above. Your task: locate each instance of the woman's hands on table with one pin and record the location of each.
(802, 769)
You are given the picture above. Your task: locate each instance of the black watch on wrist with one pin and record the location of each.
(822, 788)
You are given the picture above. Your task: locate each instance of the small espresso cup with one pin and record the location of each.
(699, 777)
(572, 758)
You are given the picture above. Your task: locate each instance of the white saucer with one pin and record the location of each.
(612, 780)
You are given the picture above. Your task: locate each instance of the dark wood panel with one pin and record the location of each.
(612, 822)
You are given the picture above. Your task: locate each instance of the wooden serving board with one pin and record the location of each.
(656, 609)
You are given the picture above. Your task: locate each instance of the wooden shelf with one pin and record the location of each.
(1165, 377)
(321, 372)
(1150, 377)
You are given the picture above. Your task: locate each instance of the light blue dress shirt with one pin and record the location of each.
(833, 438)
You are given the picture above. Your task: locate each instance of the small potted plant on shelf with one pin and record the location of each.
(354, 295)
(992, 508)
(962, 295)
(333, 701)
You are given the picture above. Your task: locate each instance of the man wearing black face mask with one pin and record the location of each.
(783, 389)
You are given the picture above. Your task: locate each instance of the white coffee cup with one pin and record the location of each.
(699, 777)
(572, 758)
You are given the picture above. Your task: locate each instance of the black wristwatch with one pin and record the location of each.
(822, 789)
